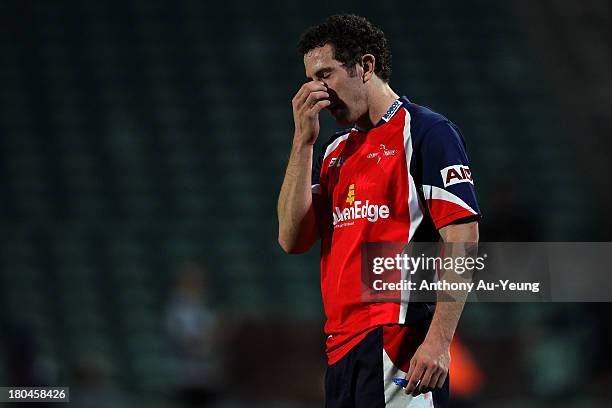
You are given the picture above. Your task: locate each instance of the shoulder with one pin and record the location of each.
(335, 139)
(429, 126)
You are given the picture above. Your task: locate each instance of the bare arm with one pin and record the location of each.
(431, 361)
(297, 225)
(447, 314)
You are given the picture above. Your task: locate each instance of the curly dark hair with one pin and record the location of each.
(351, 37)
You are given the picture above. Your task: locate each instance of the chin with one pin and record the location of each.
(343, 120)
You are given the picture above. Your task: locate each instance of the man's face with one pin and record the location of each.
(346, 92)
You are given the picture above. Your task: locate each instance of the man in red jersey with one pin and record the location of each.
(399, 174)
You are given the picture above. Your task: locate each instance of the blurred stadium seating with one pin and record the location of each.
(140, 134)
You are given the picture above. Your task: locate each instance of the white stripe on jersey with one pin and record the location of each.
(437, 193)
(335, 144)
(414, 205)
(414, 210)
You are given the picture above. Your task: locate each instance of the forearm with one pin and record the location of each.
(460, 241)
(296, 217)
(430, 363)
(445, 320)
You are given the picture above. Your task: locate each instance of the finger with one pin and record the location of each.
(415, 392)
(415, 377)
(305, 90)
(300, 98)
(316, 86)
(309, 99)
(425, 380)
(442, 379)
(410, 368)
(315, 97)
(322, 104)
(434, 381)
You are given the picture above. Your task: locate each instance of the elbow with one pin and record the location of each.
(284, 244)
(467, 232)
(290, 247)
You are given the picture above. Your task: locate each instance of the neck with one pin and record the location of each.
(380, 97)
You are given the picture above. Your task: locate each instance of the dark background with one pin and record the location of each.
(142, 148)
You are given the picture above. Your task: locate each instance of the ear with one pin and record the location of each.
(368, 62)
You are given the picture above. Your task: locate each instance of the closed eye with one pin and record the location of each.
(323, 73)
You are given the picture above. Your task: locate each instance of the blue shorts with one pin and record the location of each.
(364, 377)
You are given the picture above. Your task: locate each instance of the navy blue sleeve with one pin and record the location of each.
(447, 182)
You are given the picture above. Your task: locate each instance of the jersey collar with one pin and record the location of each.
(393, 109)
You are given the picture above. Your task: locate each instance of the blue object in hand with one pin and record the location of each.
(402, 382)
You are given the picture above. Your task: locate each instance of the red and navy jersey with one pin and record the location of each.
(399, 182)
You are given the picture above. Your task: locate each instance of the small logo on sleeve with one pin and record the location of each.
(336, 161)
(456, 174)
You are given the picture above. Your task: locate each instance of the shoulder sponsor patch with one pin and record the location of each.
(455, 174)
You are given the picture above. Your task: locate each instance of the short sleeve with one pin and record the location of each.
(316, 174)
(447, 181)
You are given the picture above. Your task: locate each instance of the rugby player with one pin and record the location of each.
(402, 172)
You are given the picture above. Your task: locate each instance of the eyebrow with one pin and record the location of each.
(320, 72)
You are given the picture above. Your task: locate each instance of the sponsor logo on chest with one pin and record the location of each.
(356, 210)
